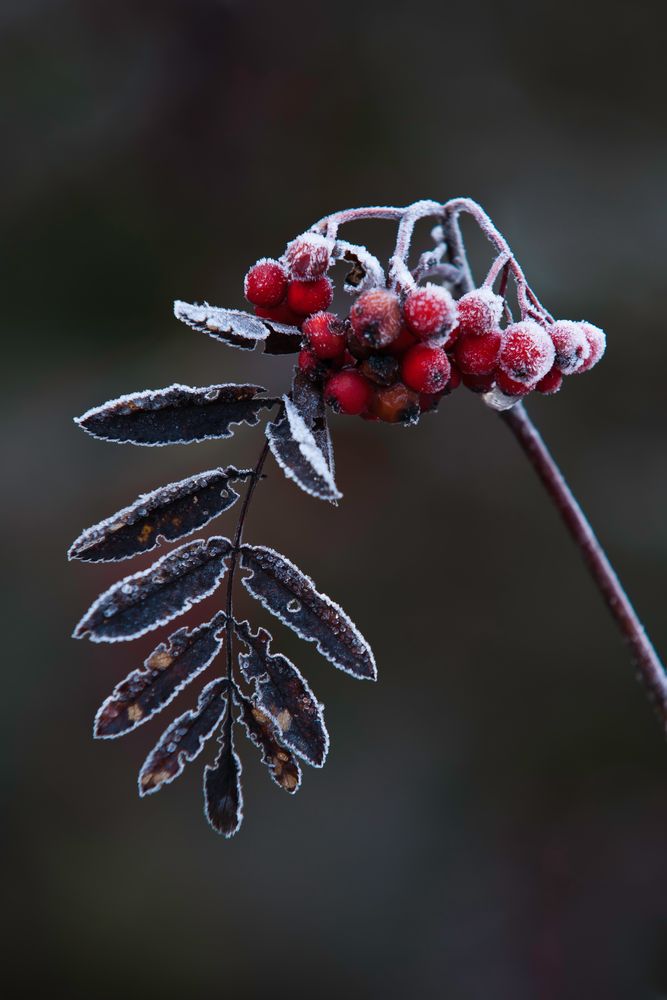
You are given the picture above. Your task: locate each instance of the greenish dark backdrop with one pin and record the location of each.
(492, 820)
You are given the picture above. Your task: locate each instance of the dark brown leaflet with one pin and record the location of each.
(178, 414)
(153, 597)
(184, 739)
(260, 730)
(239, 329)
(291, 595)
(171, 665)
(284, 695)
(223, 798)
(169, 513)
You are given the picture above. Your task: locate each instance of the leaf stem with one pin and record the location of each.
(650, 668)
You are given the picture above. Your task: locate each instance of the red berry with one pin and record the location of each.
(510, 386)
(425, 369)
(526, 352)
(477, 355)
(308, 256)
(597, 343)
(265, 284)
(429, 401)
(348, 392)
(571, 345)
(306, 297)
(325, 335)
(404, 340)
(279, 314)
(454, 377)
(395, 404)
(551, 382)
(376, 317)
(479, 383)
(310, 365)
(479, 312)
(429, 311)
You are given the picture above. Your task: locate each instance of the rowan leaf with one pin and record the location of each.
(283, 693)
(293, 598)
(168, 513)
(184, 739)
(223, 796)
(233, 326)
(260, 730)
(169, 668)
(152, 597)
(178, 414)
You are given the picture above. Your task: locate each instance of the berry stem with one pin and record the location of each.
(650, 667)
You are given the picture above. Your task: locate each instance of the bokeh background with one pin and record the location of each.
(492, 820)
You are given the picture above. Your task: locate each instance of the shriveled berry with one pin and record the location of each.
(430, 312)
(306, 297)
(376, 317)
(348, 392)
(311, 366)
(279, 314)
(425, 369)
(477, 355)
(358, 350)
(395, 404)
(510, 386)
(479, 383)
(325, 335)
(597, 342)
(571, 345)
(551, 382)
(404, 340)
(265, 284)
(479, 312)
(308, 256)
(382, 369)
(526, 352)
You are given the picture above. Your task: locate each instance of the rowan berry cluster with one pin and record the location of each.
(401, 349)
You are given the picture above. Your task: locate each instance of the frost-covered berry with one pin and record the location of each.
(425, 369)
(551, 382)
(479, 383)
(510, 386)
(310, 365)
(308, 256)
(279, 314)
(404, 340)
(429, 311)
(306, 297)
(376, 317)
(479, 312)
(348, 392)
(597, 342)
(325, 335)
(265, 284)
(454, 377)
(429, 401)
(571, 345)
(477, 355)
(395, 404)
(526, 352)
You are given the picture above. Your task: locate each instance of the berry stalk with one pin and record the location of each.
(650, 667)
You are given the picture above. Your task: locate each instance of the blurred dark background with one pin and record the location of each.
(492, 820)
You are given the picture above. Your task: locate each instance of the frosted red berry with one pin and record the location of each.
(325, 335)
(509, 386)
(430, 312)
(404, 340)
(477, 355)
(395, 404)
(265, 284)
(597, 342)
(429, 401)
(279, 314)
(526, 352)
(454, 377)
(425, 369)
(376, 317)
(310, 365)
(308, 256)
(571, 345)
(479, 312)
(348, 392)
(479, 383)
(551, 382)
(306, 297)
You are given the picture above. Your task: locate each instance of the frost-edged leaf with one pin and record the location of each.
(169, 513)
(223, 796)
(152, 597)
(179, 414)
(184, 739)
(169, 668)
(291, 595)
(366, 272)
(239, 329)
(283, 693)
(260, 730)
(300, 442)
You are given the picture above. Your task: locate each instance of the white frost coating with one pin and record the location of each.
(183, 721)
(309, 255)
(571, 344)
(214, 320)
(374, 277)
(238, 770)
(497, 400)
(323, 597)
(309, 450)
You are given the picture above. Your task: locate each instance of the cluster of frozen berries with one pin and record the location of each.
(395, 356)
